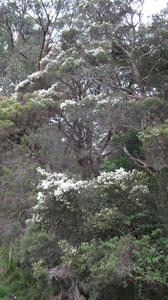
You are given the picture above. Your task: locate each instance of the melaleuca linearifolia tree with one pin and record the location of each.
(95, 67)
(27, 32)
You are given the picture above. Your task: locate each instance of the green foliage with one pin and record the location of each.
(117, 162)
(153, 132)
(120, 261)
(2, 292)
(155, 140)
(150, 261)
(11, 111)
(90, 259)
(69, 38)
(133, 144)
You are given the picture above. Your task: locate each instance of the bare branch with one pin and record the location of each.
(137, 161)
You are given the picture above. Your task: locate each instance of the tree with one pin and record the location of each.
(93, 75)
(28, 31)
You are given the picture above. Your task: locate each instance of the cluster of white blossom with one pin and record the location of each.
(36, 216)
(41, 93)
(30, 79)
(58, 185)
(60, 61)
(61, 183)
(110, 178)
(35, 75)
(22, 84)
(50, 93)
(68, 103)
(42, 172)
(136, 175)
(56, 51)
(97, 101)
(140, 188)
(56, 48)
(74, 61)
(108, 100)
(97, 51)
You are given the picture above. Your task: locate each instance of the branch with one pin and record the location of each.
(137, 161)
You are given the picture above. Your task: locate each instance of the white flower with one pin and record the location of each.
(108, 178)
(140, 188)
(96, 51)
(67, 103)
(35, 75)
(22, 84)
(57, 185)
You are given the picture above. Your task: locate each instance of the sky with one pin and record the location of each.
(153, 7)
